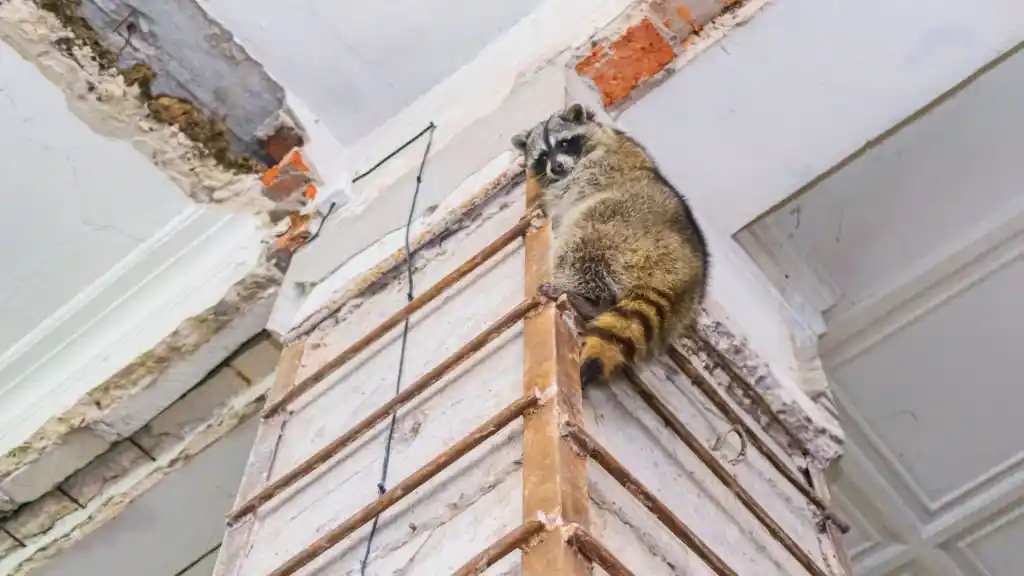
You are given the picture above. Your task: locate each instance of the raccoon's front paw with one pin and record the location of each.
(550, 291)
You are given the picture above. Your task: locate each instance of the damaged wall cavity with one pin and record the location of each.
(194, 58)
(101, 99)
(187, 67)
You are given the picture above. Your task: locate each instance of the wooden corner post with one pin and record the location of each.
(554, 473)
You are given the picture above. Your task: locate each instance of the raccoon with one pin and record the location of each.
(628, 251)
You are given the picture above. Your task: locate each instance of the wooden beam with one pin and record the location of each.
(554, 474)
(584, 542)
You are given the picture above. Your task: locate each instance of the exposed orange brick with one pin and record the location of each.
(296, 235)
(281, 142)
(292, 160)
(586, 65)
(285, 186)
(639, 53)
(289, 178)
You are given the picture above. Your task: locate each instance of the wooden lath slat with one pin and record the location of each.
(421, 385)
(397, 318)
(591, 548)
(723, 475)
(589, 445)
(716, 397)
(491, 555)
(478, 436)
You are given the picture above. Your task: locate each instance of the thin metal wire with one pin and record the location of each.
(410, 294)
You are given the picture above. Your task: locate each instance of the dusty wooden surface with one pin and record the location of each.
(554, 474)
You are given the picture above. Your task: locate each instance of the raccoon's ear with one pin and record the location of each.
(519, 141)
(578, 113)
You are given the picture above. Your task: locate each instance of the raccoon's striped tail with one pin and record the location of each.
(630, 331)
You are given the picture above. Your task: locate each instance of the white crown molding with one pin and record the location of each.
(177, 275)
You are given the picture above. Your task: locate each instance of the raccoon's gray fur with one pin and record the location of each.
(628, 252)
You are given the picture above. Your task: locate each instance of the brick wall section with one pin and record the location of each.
(643, 43)
(290, 184)
(249, 366)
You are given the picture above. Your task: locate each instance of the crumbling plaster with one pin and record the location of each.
(102, 99)
(71, 522)
(122, 404)
(194, 57)
(54, 438)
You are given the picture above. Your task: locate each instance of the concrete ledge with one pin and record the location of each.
(102, 489)
(126, 401)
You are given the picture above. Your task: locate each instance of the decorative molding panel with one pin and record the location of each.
(177, 273)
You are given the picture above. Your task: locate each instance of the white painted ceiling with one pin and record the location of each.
(923, 236)
(356, 64)
(74, 203)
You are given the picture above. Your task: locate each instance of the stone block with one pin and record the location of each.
(38, 517)
(62, 459)
(193, 409)
(88, 482)
(257, 360)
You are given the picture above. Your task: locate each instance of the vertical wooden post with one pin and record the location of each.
(554, 474)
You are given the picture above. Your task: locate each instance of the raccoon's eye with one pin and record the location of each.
(569, 145)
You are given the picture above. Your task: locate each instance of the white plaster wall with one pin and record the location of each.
(640, 440)
(74, 203)
(803, 85)
(369, 60)
(924, 237)
(177, 522)
(472, 503)
(902, 206)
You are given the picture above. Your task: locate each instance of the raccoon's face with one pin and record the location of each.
(554, 146)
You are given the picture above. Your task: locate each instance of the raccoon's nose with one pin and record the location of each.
(557, 169)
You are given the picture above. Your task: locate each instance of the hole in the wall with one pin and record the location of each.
(210, 134)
